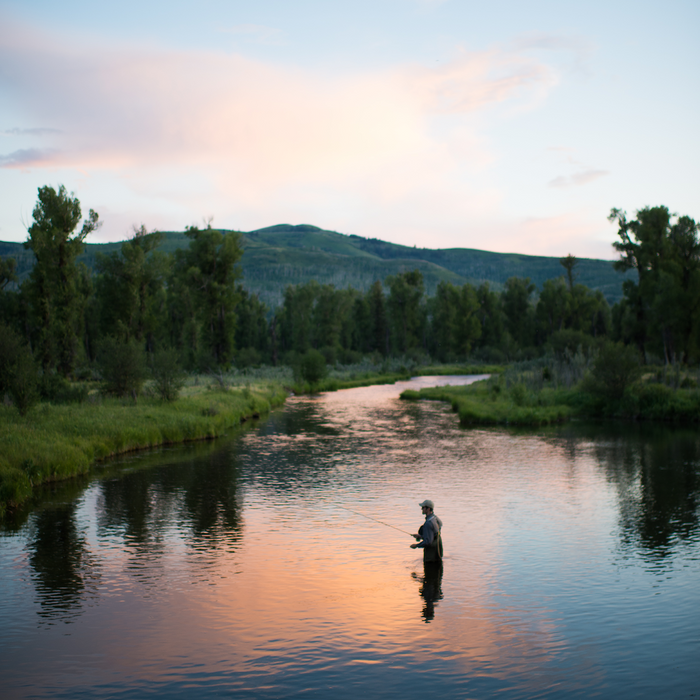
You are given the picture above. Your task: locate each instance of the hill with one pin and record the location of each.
(284, 254)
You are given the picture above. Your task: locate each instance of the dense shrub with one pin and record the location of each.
(19, 374)
(168, 377)
(312, 366)
(123, 367)
(615, 368)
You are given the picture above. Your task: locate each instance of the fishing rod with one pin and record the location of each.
(369, 517)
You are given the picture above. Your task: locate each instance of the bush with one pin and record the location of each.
(19, 375)
(248, 357)
(123, 367)
(168, 377)
(569, 341)
(614, 370)
(23, 383)
(312, 366)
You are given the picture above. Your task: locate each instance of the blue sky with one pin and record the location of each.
(504, 126)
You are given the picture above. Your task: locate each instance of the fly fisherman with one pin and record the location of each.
(428, 538)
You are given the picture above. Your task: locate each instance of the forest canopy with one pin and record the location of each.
(194, 302)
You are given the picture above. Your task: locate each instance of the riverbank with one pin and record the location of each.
(479, 404)
(495, 402)
(55, 442)
(350, 379)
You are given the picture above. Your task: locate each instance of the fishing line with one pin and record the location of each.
(369, 517)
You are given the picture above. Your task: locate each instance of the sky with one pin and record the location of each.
(507, 126)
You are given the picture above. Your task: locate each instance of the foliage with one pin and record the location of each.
(123, 367)
(660, 312)
(168, 377)
(54, 284)
(130, 289)
(18, 371)
(312, 366)
(478, 404)
(204, 280)
(406, 313)
(614, 370)
(455, 322)
(60, 442)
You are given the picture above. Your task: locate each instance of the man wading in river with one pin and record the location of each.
(429, 533)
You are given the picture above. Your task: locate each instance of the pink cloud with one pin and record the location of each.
(255, 143)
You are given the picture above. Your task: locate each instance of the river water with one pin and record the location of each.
(250, 567)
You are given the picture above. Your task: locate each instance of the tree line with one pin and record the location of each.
(194, 303)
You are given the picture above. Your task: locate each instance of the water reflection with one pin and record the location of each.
(430, 587)
(656, 471)
(200, 495)
(62, 566)
(262, 566)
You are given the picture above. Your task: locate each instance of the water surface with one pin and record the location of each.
(235, 569)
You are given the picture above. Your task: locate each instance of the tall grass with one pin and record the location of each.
(58, 442)
(487, 403)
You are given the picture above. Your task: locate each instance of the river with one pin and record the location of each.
(275, 563)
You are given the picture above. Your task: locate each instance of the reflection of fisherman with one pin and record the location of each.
(429, 538)
(431, 587)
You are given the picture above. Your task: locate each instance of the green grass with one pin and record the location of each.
(59, 442)
(336, 383)
(442, 370)
(479, 404)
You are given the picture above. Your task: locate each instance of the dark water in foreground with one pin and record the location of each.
(232, 569)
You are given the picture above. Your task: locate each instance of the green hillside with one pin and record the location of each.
(280, 255)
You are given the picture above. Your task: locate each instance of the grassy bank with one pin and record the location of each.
(480, 404)
(56, 442)
(526, 398)
(443, 370)
(389, 372)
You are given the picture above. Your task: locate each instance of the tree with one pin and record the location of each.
(131, 289)
(210, 269)
(455, 324)
(52, 286)
(378, 329)
(662, 309)
(569, 263)
(406, 312)
(296, 317)
(7, 272)
(518, 311)
(491, 317)
(252, 332)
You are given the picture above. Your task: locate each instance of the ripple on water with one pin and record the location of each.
(256, 566)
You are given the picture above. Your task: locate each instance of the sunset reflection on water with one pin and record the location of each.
(241, 568)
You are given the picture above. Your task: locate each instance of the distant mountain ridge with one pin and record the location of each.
(285, 254)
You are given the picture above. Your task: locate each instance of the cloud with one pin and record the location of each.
(578, 49)
(475, 80)
(120, 106)
(203, 131)
(581, 178)
(27, 158)
(16, 131)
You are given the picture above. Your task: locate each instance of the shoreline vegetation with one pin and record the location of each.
(607, 385)
(83, 426)
(65, 438)
(54, 442)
